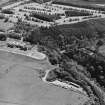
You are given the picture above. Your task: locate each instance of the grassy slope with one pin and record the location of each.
(20, 84)
(94, 1)
(6, 2)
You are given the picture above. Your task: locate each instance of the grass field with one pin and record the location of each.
(2, 2)
(83, 2)
(7, 2)
(20, 84)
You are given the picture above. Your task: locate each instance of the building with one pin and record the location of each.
(18, 44)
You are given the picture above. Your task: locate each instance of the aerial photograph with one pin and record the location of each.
(52, 52)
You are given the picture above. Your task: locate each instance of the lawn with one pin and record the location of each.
(20, 84)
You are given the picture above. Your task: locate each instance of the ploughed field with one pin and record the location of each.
(20, 83)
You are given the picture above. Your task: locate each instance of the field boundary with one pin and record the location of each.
(42, 56)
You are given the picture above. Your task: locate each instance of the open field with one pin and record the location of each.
(88, 1)
(2, 2)
(6, 2)
(20, 84)
(83, 1)
(5, 26)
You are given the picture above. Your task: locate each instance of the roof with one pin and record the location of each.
(18, 42)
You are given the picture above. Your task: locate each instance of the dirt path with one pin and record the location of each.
(63, 84)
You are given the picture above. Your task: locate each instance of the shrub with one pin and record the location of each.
(77, 13)
(1, 16)
(7, 11)
(2, 37)
(14, 36)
